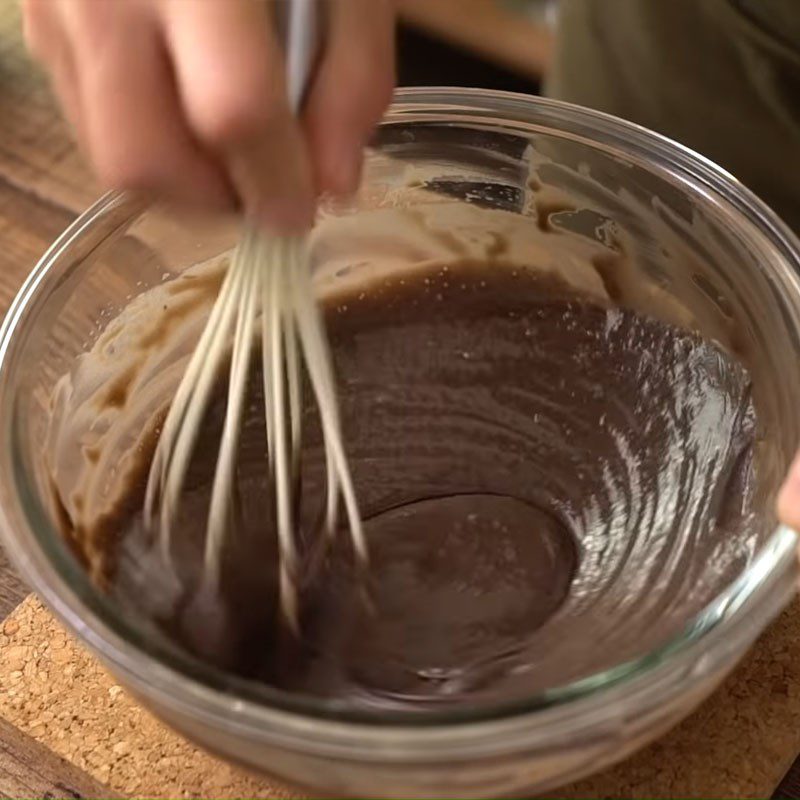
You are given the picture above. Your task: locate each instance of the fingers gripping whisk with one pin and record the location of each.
(267, 291)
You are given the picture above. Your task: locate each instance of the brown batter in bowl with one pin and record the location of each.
(536, 469)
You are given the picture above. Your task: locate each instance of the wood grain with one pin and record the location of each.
(12, 589)
(29, 769)
(43, 184)
(37, 152)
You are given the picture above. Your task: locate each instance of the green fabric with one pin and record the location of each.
(721, 76)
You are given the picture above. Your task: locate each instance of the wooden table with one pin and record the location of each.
(44, 184)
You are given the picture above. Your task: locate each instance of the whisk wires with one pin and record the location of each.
(271, 277)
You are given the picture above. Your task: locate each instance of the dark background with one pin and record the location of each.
(426, 61)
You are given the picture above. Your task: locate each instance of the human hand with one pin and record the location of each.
(186, 99)
(789, 497)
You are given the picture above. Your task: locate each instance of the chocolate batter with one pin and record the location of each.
(545, 475)
(537, 471)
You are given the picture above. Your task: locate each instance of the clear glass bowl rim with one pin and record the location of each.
(203, 693)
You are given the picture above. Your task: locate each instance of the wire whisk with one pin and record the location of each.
(269, 281)
(269, 278)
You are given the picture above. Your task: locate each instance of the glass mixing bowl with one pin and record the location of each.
(690, 234)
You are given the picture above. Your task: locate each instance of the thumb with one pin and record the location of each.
(789, 497)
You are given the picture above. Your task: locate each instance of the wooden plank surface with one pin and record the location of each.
(37, 153)
(43, 183)
(12, 589)
(29, 769)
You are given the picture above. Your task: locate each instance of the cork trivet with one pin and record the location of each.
(55, 691)
(737, 745)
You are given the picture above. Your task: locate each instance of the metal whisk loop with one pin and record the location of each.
(181, 426)
(319, 366)
(222, 489)
(281, 318)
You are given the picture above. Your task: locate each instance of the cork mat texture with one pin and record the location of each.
(738, 744)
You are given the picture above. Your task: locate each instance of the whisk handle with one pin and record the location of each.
(300, 28)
